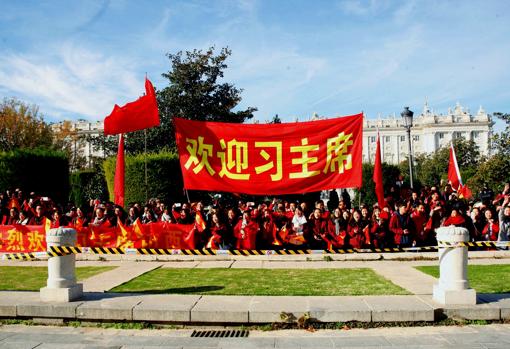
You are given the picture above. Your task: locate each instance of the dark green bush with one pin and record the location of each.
(164, 177)
(86, 185)
(367, 190)
(45, 172)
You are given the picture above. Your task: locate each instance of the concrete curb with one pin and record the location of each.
(219, 310)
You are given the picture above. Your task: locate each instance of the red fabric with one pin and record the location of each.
(465, 192)
(378, 177)
(271, 158)
(490, 231)
(246, 241)
(420, 220)
(457, 221)
(356, 236)
(138, 115)
(453, 170)
(22, 238)
(26, 238)
(14, 203)
(119, 174)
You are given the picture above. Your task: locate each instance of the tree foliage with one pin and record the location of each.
(494, 172)
(21, 127)
(68, 140)
(43, 171)
(430, 169)
(195, 92)
(366, 194)
(501, 141)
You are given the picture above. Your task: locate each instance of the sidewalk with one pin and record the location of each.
(220, 310)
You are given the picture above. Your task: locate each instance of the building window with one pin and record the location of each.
(372, 139)
(402, 138)
(441, 135)
(476, 134)
(416, 138)
(387, 139)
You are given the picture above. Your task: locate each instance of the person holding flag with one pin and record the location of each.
(455, 178)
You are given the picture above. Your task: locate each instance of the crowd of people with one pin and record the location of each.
(408, 218)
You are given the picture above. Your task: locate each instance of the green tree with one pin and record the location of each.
(367, 191)
(494, 172)
(21, 127)
(195, 92)
(431, 168)
(501, 141)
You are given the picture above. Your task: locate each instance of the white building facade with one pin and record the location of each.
(430, 132)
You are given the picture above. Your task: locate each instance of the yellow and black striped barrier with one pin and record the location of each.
(474, 244)
(55, 251)
(19, 256)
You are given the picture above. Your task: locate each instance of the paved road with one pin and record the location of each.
(40, 337)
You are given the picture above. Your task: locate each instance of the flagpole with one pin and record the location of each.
(145, 161)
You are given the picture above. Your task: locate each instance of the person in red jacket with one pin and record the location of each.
(268, 230)
(337, 230)
(379, 231)
(455, 219)
(402, 227)
(491, 230)
(318, 230)
(355, 230)
(218, 232)
(420, 218)
(246, 232)
(12, 218)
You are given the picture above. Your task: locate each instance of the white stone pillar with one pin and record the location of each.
(61, 284)
(453, 286)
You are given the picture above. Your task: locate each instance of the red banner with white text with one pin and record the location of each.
(271, 158)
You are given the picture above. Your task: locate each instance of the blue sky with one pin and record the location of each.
(76, 59)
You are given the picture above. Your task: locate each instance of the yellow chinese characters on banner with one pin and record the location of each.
(22, 238)
(270, 159)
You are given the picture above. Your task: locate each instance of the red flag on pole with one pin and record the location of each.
(138, 115)
(118, 186)
(377, 177)
(453, 170)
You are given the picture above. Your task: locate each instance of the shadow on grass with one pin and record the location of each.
(178, 290)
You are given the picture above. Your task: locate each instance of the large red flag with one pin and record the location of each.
(138, 115)
(377, 176)
(118, 186)
(453, 170)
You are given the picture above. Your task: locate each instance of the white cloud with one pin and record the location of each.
(75, 82)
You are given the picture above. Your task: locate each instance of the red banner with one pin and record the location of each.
(271, 158)
(24, 238)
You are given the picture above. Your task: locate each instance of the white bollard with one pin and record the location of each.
(61, 284)
(453, 286)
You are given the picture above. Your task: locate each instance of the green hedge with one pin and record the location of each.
(163, 176)
(45, 172)
(86, 185)
(367, 190)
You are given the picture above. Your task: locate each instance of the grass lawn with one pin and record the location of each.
(263, 282)
(483, 278)
(33, 278)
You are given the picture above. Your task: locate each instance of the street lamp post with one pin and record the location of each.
(407, 115)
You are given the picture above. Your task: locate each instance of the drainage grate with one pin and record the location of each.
(220, 333)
